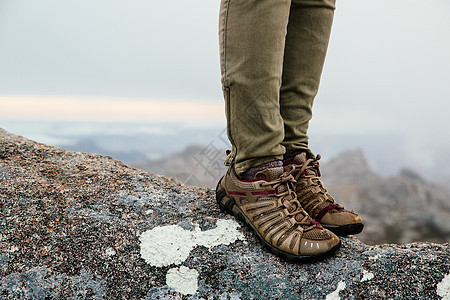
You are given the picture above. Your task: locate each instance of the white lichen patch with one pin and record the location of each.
(166, 245)
(443, 287)
(13, 249)
(375, 257)
(172, 244)
(182, 280)
(366, 276)
(110, 251)
(225, 233)
(230, 296)
(335, 295)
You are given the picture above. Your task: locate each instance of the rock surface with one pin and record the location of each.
(84, 226)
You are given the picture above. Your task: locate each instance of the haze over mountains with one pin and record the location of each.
(131, 142)
(400, 208)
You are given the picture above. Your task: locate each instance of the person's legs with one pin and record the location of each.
(252, 42)
(307, 39)
(256, 188)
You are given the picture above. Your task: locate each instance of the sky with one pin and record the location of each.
(387, 68)
(145, 49)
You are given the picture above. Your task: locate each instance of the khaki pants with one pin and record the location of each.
(272, 54)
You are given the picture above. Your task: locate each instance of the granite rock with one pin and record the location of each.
(84, 226)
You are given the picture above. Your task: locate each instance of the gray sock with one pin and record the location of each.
(250, 173)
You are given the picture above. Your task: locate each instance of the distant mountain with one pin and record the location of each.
(195, 165)
(400, 208)
(89, 145)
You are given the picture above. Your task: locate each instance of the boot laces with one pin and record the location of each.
(285, 190)
(311, 166)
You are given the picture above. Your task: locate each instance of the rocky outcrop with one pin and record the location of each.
(84, 226)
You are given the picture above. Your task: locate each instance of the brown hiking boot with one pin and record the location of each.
(268, 205)
(315, 198)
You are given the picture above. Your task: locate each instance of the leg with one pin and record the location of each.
(252, 41)
(306, 45)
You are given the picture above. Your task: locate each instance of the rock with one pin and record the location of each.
(79, 225)
(350, 164)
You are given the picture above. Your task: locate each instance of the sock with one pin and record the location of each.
(250, 173)
(290, 157)
(287, 158)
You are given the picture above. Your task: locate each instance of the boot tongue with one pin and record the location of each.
(272, 174)
(301, 159)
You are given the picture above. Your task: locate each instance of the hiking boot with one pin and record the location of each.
(315, 198)
(268, 204)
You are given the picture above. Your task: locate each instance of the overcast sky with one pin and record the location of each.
(387, 70)
(110, 48)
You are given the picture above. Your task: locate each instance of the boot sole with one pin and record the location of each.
(228, 205)
(345, 230)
